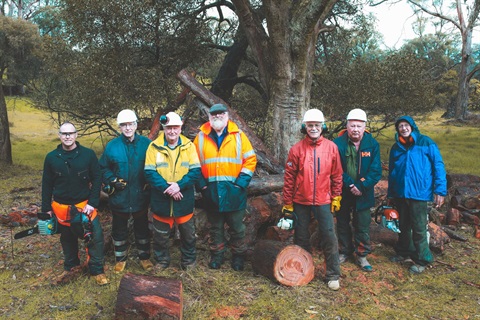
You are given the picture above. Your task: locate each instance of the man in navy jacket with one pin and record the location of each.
(362, 169)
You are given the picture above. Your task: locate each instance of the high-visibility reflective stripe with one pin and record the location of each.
(249, 154)
(119, 243)
(120, 253)
(247, 171)
(150, 167)
(142, 251)
(222, 178)
(223, 160)
(142, 241)
(201, 141)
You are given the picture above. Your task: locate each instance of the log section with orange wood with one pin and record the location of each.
(289, 265)
(149, 297)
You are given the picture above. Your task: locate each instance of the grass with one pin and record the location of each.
(448, 290)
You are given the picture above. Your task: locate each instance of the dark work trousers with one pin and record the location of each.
(236, 231)
(161, 242)
(361, 229)
(413, 238)
(140, 230)
(95, 248)
(328, 237)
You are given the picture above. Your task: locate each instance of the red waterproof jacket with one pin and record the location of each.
(313, 173)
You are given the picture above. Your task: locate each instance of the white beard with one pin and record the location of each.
(218, 124)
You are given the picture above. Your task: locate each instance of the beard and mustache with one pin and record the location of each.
(218, 124)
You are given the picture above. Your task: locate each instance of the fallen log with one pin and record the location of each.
(465, 198)
(380, 234)
(470, 218)
(289, 265)
(149, 297)
(276, 234)
(453, 216)
(265, 184)
(438, 237)
(453, 235)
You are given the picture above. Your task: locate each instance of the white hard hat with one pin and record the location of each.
(313, 115)
(126, 115)
(173, 119)
(357, 114)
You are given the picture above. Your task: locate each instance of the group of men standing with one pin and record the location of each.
(324, 178)
(327, 178)
(161, 175)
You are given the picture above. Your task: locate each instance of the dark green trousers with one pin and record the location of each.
(361, 229)
(413, 239)
(236, 230)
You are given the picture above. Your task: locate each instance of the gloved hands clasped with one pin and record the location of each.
(335, 205)
(117, 184)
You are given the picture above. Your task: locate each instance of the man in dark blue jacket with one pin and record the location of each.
(416, 175)
(362, 169)
(122, 168)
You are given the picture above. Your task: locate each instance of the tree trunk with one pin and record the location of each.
(5, 143)
(149, 297)
(289, 265)
(285, 55)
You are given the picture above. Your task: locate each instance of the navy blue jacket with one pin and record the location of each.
(416, 172)
(369, 169)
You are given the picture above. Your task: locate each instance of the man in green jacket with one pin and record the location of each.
(172, 168)
(122, 166)
(362, 169)
(71, 190)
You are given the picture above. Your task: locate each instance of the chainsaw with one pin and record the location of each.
(387, 216)
(46, 225)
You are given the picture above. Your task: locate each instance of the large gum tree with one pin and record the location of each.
(283, 45)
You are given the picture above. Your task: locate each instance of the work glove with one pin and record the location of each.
(287, 211)
(108, 189)
(118, 184)
(335, 205)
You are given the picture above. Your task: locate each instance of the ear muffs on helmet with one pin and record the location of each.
(165, 119)
(303, 128)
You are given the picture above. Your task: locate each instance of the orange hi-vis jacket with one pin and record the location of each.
(228, 170)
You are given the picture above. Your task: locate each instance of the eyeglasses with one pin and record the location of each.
(67, 134)
(128, 124)
(220, 114)
(314, 125)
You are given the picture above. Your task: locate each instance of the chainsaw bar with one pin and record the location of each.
(26, 233)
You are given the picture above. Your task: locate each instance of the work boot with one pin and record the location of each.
(400, 259)
(188, 267)
(238, 262)
(216, 262)
(342, 258)
(146, 264)
(101, 279)
(159, 267)
(417, 269)
(119, 266)
(364, 264)
(333, 285)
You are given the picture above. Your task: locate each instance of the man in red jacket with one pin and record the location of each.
(313, 184)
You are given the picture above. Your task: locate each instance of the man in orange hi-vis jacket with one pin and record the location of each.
(228, 162)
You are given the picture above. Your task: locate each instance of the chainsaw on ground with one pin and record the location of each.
(46, 225)
(387, 216)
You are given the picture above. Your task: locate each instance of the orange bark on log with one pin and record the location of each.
(149, 297)
(277, 234)
(453, 216)
(289, 265)
(438, 237)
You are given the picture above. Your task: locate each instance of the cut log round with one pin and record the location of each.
(149, 297)
(289, 265)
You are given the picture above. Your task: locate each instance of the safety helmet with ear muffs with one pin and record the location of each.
(313, 115)
(171, 119)
(303, 128)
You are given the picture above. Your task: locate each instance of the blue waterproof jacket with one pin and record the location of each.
(416, 172)
(369, 169)
(125, 159)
